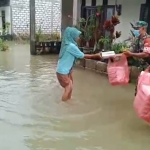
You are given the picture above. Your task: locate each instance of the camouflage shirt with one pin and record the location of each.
(140, 47)
(141, 42)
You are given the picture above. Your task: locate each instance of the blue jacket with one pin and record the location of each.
(69, 51)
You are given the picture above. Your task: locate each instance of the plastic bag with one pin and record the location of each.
(147, 45)
(118, 70)
(142, 99)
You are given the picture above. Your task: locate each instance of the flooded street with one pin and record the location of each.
(32, 116)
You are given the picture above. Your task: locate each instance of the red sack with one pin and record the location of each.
(118, 70)
(142, 99)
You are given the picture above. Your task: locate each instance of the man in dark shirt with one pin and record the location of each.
(143, 45)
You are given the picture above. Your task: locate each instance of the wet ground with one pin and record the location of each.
(32, 116)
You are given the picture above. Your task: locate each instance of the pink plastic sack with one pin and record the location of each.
(118, 70)
(142, 99)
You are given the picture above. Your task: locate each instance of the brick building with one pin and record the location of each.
(17, 13)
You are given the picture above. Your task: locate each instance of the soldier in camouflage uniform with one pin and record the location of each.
(142, 51)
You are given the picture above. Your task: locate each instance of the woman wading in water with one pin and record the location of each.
(69, 53)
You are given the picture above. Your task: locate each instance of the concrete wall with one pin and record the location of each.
(48, 15)
(130, 13)
(67, 9)
(7, 15)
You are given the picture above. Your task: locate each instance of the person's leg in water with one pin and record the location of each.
(67, 92)
(66, 83)
(71, 85)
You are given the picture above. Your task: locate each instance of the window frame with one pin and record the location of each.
(4, 3)
(84, 10)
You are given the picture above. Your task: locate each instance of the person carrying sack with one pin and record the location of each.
(142, 46)
(69, 53)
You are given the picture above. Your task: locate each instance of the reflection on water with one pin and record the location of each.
(32, 116)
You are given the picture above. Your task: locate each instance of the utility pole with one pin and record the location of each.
(32, 27)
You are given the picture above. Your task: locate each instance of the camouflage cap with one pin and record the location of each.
(139, 24)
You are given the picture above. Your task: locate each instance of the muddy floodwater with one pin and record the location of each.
(32, 116)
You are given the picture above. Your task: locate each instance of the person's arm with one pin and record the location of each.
(75, 51)
(139, 55)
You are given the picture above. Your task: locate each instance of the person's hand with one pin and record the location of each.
(127, 53)
(98, 55)
(126, 49)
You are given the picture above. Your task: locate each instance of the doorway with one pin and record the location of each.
(3, 20)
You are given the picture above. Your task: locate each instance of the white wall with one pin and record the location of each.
(7, 15)
(88, 2)
(99, 2)
(130, 13)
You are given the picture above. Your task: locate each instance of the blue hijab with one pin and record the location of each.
(69, 37)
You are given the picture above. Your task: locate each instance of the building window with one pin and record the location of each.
(108, 11)
(90, 11)
(93, 2)
(145, 15)
(4, 3)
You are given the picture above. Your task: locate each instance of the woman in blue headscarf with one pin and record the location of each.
(69, 52)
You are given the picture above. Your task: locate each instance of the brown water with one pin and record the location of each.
(32, 116)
